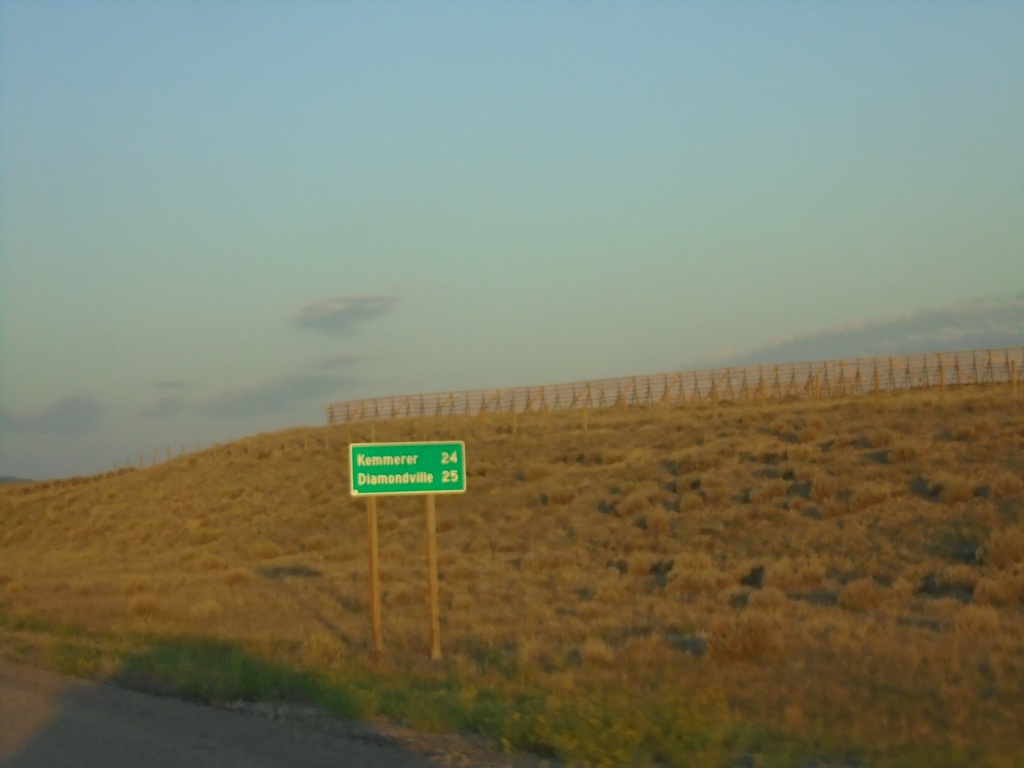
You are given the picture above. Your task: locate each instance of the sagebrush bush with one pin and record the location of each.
(773, 489)
(768, 599)
(238, 576)
(954, 488)
(976, 620)
(659, 522)
(862, 594)
(534, 471)
(1003, 548)
(211, 562)
(690, 581)
(823, 488)
(796, 573)
(750, 634)
(639, 500)
(868, 495)
(597, 651)
(1003, 589)
(562, 495)
(905, 450)
(690, 501)
(800, 453)
(692, 461)
(265, 550)
(316, 542)
(883, 438)
(1007, 484)
(808, 434)
(834, 508)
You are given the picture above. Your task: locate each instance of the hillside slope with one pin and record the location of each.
(848, 574)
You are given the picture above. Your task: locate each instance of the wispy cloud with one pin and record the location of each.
(982, 324)
(340, 315)
(74, 415)
(166, 407)
(275, 396)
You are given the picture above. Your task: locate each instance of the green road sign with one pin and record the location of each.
(394, 468)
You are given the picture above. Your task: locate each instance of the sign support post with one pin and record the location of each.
(435, 613)
(375, 624)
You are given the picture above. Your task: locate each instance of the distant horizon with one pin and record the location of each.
(696, 370)
(215, 218)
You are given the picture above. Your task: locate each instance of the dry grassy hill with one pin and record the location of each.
(843, 578)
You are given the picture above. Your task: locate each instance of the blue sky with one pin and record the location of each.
(215, 217)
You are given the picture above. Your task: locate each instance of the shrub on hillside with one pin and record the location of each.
(1005, 588)
(868, 495)
(265, 550)
(751, 634)
(823, 488)
(861, 595)
(977, 620)
(1007, 484)
(773, 489)
(1004, 548)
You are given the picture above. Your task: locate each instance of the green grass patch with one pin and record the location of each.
(218, 671)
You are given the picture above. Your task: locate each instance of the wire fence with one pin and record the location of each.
(830, 378)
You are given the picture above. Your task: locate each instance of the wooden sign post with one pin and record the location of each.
(371, 528)
(393, 469)
(435, 611)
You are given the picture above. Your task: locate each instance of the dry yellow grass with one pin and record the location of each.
(850, 570)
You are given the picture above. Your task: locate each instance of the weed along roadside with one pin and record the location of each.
(399, 469)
